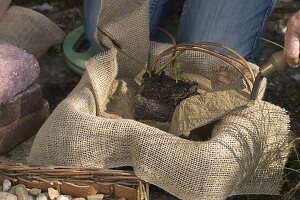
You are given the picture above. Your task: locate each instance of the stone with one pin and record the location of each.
(7, 196)
(16, 132)
(69, 197)
(41, 197)
(95, 197)
(53, 193)
(6, 185)
(12, 190)
(33, 99)
(18, 70)
(34, 191)
(63, 197)
(45, 194)
(30, 197)
(22, 104)
(21, 192)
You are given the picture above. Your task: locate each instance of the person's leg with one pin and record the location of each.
(159, 10)
(236, 23)
(91, 11)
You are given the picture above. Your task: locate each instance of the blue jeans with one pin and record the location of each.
(235, 23)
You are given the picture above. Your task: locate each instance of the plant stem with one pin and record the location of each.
(272, 42)
(184, 47)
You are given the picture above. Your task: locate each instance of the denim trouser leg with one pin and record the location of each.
(159, 10)
(91, 11)
(236, 23)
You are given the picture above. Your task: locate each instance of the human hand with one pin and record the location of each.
(292, 40)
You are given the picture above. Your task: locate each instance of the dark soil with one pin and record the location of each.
(159, 96)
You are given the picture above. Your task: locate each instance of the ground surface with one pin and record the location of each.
(58, 80)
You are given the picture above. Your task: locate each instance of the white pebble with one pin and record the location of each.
(21, 192)
(95, 197)
(34, 191)
(12, 190)
(30, 198)
(42, 196)
(6, 185)
(7, 196)
(53, 193)
(62, 197)
(296, 77)
(69, 197)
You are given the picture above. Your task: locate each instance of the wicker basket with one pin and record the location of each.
(77, 182)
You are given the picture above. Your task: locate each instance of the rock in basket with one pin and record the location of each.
(77, 182)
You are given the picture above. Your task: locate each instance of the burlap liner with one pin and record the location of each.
(82, 132)
(29, 30)
(93, 126)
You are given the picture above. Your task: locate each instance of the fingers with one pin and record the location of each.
(291, 49)
(292, 40)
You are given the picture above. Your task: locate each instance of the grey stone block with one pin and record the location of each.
(33, 101)
(18, 71)
(23, 128)
(22, 104)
